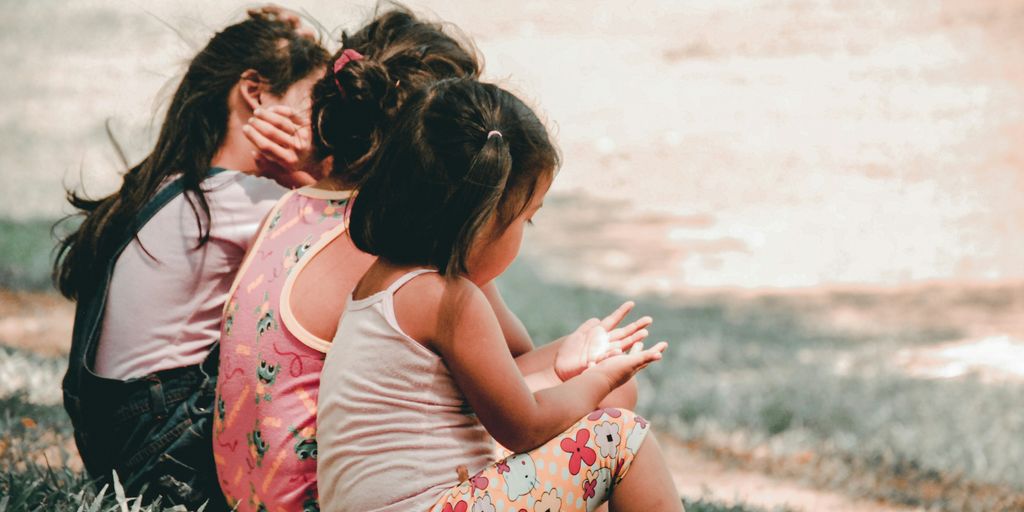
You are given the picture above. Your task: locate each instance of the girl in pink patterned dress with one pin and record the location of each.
(265, 423)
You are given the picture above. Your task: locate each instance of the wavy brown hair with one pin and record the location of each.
(191, 134)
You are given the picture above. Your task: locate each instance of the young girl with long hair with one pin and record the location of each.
(420, 378)
(150, 265)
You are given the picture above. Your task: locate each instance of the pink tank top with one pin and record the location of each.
(264, 433)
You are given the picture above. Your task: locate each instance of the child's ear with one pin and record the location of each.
(252, 88)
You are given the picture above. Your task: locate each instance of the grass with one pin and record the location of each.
(760, 375)
(769, 381)
(27, 249)
(39, 471)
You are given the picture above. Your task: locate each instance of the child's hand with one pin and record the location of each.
(596, 340)
(619, 369)
(287, 16)
(283, 139)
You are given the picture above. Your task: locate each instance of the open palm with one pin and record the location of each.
(596, 340)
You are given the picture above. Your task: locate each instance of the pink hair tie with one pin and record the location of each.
(347, 55)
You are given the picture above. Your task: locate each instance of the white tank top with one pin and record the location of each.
(392, 426)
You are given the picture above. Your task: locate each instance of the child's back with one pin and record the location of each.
(264, 434)
(399, 424)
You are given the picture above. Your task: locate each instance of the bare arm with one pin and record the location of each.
(463, 328)
(516, 335)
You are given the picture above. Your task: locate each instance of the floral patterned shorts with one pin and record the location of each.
(575, 471)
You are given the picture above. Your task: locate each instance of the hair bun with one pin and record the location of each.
(364, 84)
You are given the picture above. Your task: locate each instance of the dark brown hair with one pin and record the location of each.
(441, 174)
(353, 108)
(192, 132)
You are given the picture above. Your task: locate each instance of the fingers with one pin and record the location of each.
(631, 340)
(279, 119)
(609, 353)
(623, 367)
(281, 13)
(287, 16)
(623, 332)
(282, 115)
(652, 354)
(273, 134)
(616, 316)
(270, 149)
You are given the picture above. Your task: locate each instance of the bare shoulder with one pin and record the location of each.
(430, 305)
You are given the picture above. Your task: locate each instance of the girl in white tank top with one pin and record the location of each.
(419, 378)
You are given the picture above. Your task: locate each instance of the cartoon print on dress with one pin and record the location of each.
(266, 373)
(548, 502)
(254, 501)
(579, 452)
(292, 255)
(257, 446)
(636, 436)
(221, 412)
(596, 487)
(606, 436)
(334, 209)
(484, 503)
(273, 221)
(229, 320)
(265, 317)
(521, 476)
(310, 504)
(471, 484)
(305, 448)
(460, 506)
(596, 415)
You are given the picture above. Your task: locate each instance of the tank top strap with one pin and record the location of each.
(405, 278)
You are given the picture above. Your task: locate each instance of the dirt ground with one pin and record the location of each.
(696, 474)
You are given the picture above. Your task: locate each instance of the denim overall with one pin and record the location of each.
(156, 430)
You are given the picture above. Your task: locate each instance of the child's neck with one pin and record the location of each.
(333, 183)
(379, 276)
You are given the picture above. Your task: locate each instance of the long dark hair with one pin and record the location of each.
(460, 153)
(353, 108)
(192, 133)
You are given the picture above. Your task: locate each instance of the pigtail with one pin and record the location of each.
(483, 185)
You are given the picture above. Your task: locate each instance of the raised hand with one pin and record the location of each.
(282, 138)
(287, 16)
(596, 340)
(618, 370)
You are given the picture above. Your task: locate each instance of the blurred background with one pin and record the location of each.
(820, 202)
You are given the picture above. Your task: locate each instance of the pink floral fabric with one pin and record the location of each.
(574, 472)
